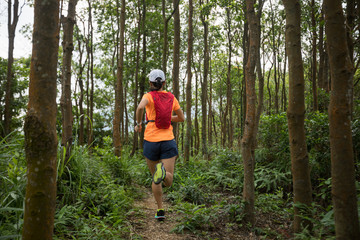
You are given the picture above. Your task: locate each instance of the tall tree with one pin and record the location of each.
(296, 115)
(144, 59)
(165, 33)
(204, 93)
(176, 59)
(342, 157)
(118, 113)
(65, 101)
(247, 141)
(40, 124)
(228, 110)
(275, 58)
(13, 18)
(321, 81)
(350, 23)
(137, 67)
(188, 83)
(81, 86)
(90, 78)
(314, 58)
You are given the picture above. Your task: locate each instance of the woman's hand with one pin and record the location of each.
(138, 128)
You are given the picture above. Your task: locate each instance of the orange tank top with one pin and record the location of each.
(152, 133)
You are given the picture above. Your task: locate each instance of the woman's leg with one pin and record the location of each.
(156, 188)
(169, 165)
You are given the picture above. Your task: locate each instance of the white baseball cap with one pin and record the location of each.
(156, 73)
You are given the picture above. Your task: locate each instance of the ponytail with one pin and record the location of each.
(156, 85)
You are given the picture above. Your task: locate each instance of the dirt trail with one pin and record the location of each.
(145, 226)
(151, 229)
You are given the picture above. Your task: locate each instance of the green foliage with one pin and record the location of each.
(318, 142)
(12, 185)
(196, 218)
(97, 193)
(356, 136)
(19, 85)
(323, 225)
(273, 139)
(268, 179)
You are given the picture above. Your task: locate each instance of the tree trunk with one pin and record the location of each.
(90, 80)
(275, 59)
(321, 82)
(188, 84)
(204, 84)
(245, 47)
(81, 97)
(144, 69)
(40, 124)
(296, 114)
(350, 18)
(119, 98)
(9, 93)
(65, 101)
(342, 158)
(135, 139)
(250, 121)
(197, 132)
(165, 44)
(228, 110)
(259, 74)
(210, 137)
(176, 60)
(284, 98)
(314, 60)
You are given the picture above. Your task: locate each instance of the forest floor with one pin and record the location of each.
(145, 226)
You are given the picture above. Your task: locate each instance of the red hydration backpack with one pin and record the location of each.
(163, 103)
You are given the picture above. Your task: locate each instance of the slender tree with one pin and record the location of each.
(165, 31)
(65, 101)
(188, 83)
(13, 18)
(228, 128)
(118, 112)
(40, 124)
(314, 57)
(135, 138)
(176, 59)
(296, 115)
(321, 81)
(204, 93)
(342, 158)
(247, 141)
(82, 92)
(90, 80)
(144, 59)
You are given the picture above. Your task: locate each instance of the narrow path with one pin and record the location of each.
(148, 228)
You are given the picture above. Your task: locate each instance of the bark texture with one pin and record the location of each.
(342, 158)
(248, 139)
(65, 101)
(176, 60)
(119, 96)
(204, 84)
(188, 84)
(40, 124)
(296, 114)
(13, 18)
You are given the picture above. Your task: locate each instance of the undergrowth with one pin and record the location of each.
(96, 190)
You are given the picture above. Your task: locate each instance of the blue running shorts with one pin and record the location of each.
(160, 150)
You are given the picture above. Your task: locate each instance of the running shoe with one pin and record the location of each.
(159, 174)
(160, 214)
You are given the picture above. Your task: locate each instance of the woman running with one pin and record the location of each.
(159, 147)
